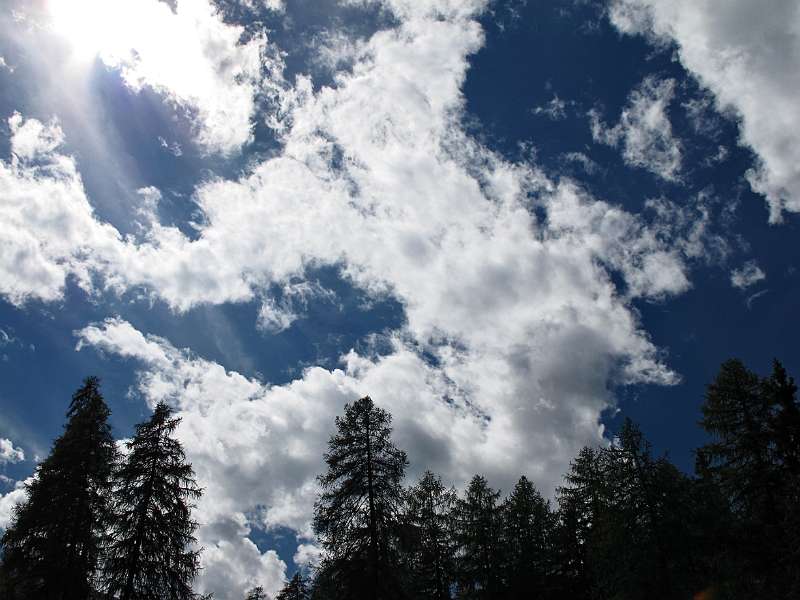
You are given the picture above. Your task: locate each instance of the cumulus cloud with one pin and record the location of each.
(506, 278)
(9, 500)
(748, 274)
(644, 130)
(197, 61)
(10, 453)
(747, 57)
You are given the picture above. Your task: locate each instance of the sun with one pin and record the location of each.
(94, 27)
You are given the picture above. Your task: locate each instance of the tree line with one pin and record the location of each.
(624, 524)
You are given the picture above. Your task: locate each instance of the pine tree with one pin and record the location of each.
(258, 593)
(527, 528)
(296, 588)
(53, 546)
(429, 547)
(477, 533)
(358, 510)
(150, 556)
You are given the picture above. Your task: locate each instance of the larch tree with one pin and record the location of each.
(428, 541)
(477, 528)
(357, 513)
(53, 546)
(527, 526)
(151, 555)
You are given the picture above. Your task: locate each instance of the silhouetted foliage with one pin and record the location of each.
(527, 531)
(626, 525)
(477, 531)
(295, 589)
(428, 544)
(150, 556)
(258, 593)
(357, 515)
(752, 460)
(52, 548)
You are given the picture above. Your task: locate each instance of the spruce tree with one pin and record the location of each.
(296, 588)
(54, 544)
(429, 547)
(527, 525)
(358, 510)
(477, 529)
(151, 555)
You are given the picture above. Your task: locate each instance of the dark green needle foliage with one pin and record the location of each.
(429, 548)
(151, 555)
(358, 511)
(52, 548)
(477, 529)
(296, 588)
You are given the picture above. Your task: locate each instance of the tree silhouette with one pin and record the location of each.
(477, 527)
(53, 546)
(257, 593)
(295, 589)
(150, 555)
(527, 525)
(429, 547)
(357, 513)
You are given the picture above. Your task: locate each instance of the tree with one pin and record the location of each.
(296, 588)
(752, 458)
(358, 510)
(150, 556)
(429, 547)
(527, 525)
(641, 547)
(258, 593)
(477, 533)
(54, 544)
(581, 501)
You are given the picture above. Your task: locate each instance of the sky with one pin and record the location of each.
(512, 223)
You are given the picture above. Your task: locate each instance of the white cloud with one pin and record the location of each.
(747, 56)
(9, 453)
(644, 130)
(5, 65)
(555, 110)
(190, 55)
(377, 177)
(9, 500)
(748, 274)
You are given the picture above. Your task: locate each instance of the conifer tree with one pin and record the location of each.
(642, 543)
(258, 593)
(151, 555)
(358, 510)
(429, 547)
(52, 548)
(296, 588)
(527, 525)
(477, 532)
(581, 500)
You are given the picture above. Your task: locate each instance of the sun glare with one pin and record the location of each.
(92, 27)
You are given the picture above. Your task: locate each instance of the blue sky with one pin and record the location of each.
(512, 223)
